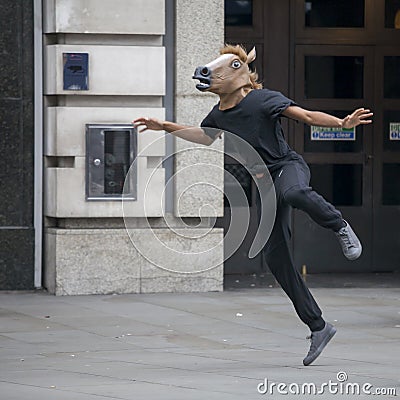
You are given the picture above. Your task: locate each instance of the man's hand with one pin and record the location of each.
(148, 123)
(359, 117)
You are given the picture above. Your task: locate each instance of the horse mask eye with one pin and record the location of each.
(236, 64)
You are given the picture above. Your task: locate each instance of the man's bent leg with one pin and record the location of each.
(309, 201)
(322, 212)
(293, 185)
(278, 257)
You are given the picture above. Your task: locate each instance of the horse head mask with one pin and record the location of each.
(229, 72)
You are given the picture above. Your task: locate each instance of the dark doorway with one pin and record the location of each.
(335, 57)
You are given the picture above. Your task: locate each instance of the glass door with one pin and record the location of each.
(337, 80)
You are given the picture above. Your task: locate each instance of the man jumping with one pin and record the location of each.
(253, 114)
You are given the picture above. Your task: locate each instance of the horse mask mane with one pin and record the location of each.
(229, 72)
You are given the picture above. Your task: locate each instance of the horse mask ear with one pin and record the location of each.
(251, 56)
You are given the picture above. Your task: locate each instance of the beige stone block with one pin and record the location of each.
(91, 261)
(199, 36)
(64, 130)
(199, 173)
(191, 110)
(144, 17)
(180, 260)
(174, 252)
(103, 261)
(199, 180)
(65, 195)
(113, 70)
(195, 190)
(181, 284)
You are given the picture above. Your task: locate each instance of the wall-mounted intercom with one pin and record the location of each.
(110, 152)
(75, 71)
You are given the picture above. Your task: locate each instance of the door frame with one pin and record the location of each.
(386, 251)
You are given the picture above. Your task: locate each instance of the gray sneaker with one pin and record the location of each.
(319, 340)
(351, 246)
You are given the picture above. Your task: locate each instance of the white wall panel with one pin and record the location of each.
(113, 70)
(65, 128)
(65, 194)
(145, 17)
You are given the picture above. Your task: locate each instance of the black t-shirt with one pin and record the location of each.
(256, 119)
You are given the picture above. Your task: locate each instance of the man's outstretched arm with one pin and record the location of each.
(361, 116)
(190, 133)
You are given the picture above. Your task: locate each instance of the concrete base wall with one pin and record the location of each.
(103, 261)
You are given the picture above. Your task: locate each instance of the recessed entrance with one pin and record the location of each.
(334, 56)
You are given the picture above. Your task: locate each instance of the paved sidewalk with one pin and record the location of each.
(191, 346)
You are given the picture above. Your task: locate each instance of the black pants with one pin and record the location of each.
(292, 187)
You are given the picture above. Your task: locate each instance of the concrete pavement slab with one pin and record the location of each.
(192, 346)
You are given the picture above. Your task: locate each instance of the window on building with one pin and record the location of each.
(334, 13)
(392, 14)
(392, 77)
(339, 77)
(238, 12)
(391, 184)
(340, 184)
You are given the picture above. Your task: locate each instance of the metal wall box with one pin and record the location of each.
(110, 152)
(75, 71)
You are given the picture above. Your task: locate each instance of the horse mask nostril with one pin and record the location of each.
(205, 71)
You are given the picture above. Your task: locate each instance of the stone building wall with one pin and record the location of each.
(88, 248)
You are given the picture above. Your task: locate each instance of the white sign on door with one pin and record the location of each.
(323, 133)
